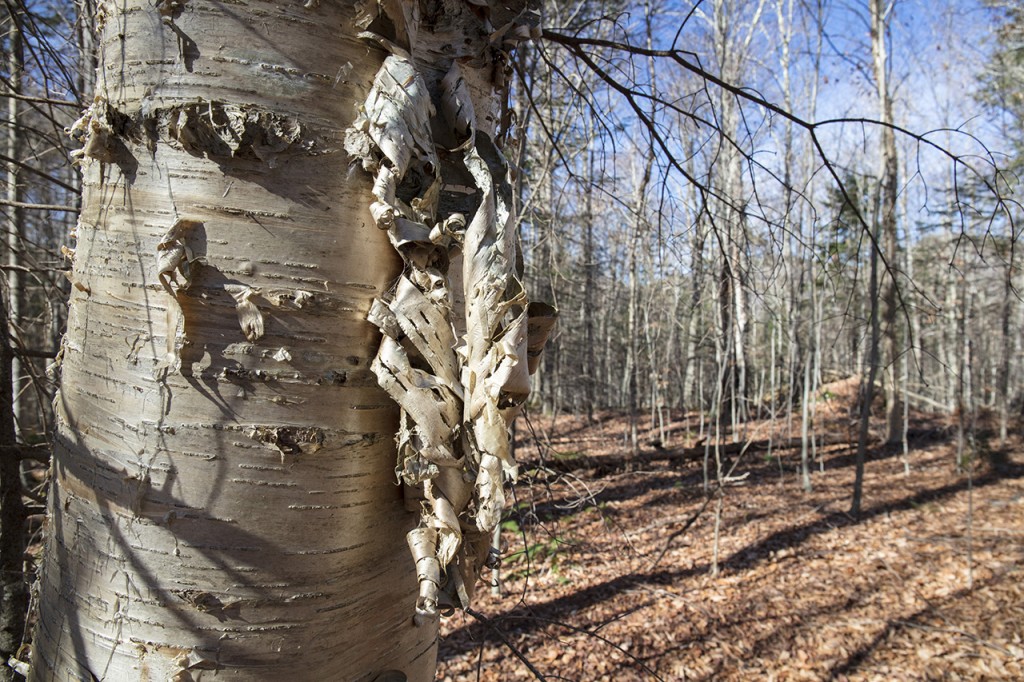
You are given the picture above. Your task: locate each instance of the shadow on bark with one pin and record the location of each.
(221, 543)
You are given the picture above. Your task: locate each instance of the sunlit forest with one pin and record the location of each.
(774, 431)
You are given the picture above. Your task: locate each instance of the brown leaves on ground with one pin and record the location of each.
(928, 584)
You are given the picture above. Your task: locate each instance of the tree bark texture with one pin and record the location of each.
(888, 191)
(224, 499)
(13, 592)
(15, 214)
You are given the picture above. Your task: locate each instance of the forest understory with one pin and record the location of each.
(603, 580)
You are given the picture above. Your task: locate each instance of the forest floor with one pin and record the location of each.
(603, 579)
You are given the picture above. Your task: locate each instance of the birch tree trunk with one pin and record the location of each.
(867, 387)
(224, 500)
(1005, 354)
(589, 374)
(638, 238)
(732, 35)
(15, 217)
(13, 593)
(888, 185)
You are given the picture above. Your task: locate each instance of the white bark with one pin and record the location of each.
(454, 354)
(888, 170)
(224, 500)
(13, 223)
(13, 592)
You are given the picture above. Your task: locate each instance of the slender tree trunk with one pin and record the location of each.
(964, 394)
(816, 301)
(916, 347)
(888, 186)
(817, 314)
(805, 423)
(776, 333)
(637, 241)
(631, 377)
(948, 339)
(589, 300)
(15, 216)
(13, 593)
(224, 499)
(731, 45)
(867, 388)
(691, 376)
(1005, 355)
(551, 376)
(884, 233)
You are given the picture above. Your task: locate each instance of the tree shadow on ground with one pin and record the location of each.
(557, 507)
(784, 638)
(683, 482)
(793, 536)
(526, 618)
(894, 625)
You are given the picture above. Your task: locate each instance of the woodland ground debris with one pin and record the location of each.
(805, 591)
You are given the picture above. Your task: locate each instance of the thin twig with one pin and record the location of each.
(505, 640)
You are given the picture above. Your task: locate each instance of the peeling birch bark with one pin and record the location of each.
(223, 503)
(455, 349)
(174, 257)
(249, 317)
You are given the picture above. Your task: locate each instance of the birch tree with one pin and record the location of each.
(257, 175)
(13, 595)
(880, 14)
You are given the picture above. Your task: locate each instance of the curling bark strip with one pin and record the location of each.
(454, 353)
